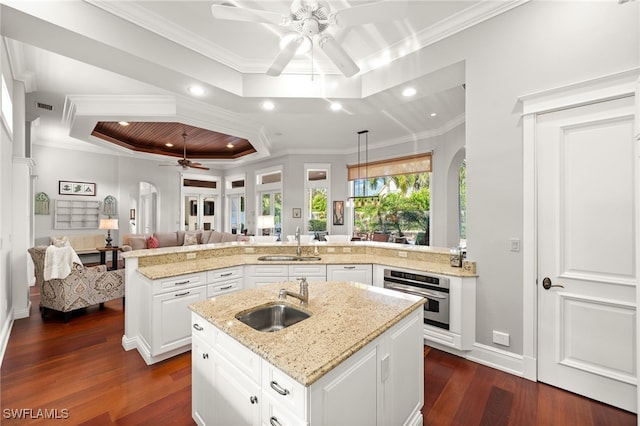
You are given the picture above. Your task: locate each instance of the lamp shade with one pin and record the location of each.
(265, 222)
(108, 224)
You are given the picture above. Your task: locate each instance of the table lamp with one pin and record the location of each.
(266, 222)
(108, 224)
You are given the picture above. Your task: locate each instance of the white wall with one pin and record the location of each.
(6, 153)
(537, 46)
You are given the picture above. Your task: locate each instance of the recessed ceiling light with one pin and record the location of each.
(168, 144)
(229, 145)
(336, 106)
(433, 114)
(123, 123)
(268, 105)
(409, 91)
(196, 90)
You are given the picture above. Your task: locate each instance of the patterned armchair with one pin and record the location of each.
(85, 286)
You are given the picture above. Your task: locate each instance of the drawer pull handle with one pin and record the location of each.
(198, 327)
(274, 421)
(182, 294)
(182, 282)
(226, 274)
(276, 387)
(349, 267)
(253, 399)
(226, 287)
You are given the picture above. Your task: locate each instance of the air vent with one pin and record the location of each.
(44, 106)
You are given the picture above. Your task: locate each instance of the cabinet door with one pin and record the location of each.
(202, 386)
(348, 394)
(236, 398)
(402, 373)
(355, 273)
(171, 318)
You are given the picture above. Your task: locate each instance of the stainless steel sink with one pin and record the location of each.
(272, 317)
(287, 258)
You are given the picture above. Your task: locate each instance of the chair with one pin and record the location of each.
(83, 287)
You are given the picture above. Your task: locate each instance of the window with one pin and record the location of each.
(235, 194)
(317, 184)
(269, 197)
(200, 207)
(393, 202)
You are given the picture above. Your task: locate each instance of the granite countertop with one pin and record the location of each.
(198, 265)
(344, 318)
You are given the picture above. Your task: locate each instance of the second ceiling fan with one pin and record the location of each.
(310, 18)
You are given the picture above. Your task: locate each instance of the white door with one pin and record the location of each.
(587, 187)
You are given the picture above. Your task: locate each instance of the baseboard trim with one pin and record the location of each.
(497, 358)
(5, 333)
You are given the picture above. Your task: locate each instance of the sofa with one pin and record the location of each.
(177, 238)
(83, 287)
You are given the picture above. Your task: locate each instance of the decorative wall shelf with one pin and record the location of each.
(76, 214)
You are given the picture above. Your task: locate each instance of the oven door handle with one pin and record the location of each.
(413, 290)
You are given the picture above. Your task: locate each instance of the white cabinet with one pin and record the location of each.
(258, 275)
(202, 380)
(222, 281)
(359, 273)
(170, 319)
(380, 384)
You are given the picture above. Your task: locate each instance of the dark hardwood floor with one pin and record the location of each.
(79, 372)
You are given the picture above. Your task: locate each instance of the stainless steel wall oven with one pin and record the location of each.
(434, 289)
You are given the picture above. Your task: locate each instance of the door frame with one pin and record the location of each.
(618, 85)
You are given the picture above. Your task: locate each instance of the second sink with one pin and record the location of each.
(272, 317)
(287, 258)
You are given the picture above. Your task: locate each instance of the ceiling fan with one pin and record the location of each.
(309, 19)
(184, 162)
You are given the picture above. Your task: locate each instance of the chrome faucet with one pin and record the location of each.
(304, 292)
(298, 249)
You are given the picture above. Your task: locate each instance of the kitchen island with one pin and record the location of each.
(358, 358)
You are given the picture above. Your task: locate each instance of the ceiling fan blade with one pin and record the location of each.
(338, 56)
(197, 166)
(381, 11)
(233, 13)
(285, 57)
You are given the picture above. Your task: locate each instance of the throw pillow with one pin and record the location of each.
(137, 243)
(153, 242)
(190, 239)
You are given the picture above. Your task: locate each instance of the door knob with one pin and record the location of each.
(546, 283)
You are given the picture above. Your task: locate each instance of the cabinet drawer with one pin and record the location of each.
(274, 414)
(175, 283)
(297, 271)
(224, 274)
(268, 270)
(203, 328)
(243, 359)
(217, 289)
(283, 389)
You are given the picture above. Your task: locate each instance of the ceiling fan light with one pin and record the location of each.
(289, 37)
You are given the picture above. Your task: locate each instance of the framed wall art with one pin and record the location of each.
(67, 187)
(338, 212)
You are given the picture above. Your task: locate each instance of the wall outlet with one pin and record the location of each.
(402, 253)
(191, 255)
(249, 250)
(500, 338)
(514, 244)
(346, 249)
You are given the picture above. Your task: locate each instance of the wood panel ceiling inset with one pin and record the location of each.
(152, 137)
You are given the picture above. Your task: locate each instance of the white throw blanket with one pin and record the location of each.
(58, 262)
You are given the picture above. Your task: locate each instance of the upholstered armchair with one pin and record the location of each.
(84, 286)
